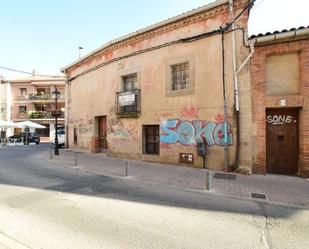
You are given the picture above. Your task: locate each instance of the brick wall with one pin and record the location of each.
(260, 101)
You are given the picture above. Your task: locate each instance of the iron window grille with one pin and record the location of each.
(180, 76)
(151, 139)
(128, 103)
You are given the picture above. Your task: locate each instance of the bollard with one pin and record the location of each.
(75, 159)
(51, 154)
(126, 169)
(208, 180)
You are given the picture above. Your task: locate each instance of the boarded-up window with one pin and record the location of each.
(282, 74)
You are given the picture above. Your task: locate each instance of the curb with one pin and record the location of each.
(131, 178)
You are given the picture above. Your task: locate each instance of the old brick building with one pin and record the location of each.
(280, 102)
(157, 93)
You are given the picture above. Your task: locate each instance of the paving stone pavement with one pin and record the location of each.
(277, 188)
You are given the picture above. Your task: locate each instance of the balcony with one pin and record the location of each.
(45, 97)
(42, 115)
(128, 104)
(40, 96)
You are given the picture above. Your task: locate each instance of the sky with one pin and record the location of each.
(45, 35)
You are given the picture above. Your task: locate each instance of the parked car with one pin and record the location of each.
(61, 138)
(21, 138)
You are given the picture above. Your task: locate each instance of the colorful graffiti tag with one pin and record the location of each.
(193, 132)
(189, 112)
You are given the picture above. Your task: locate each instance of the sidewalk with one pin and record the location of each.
(276, 188)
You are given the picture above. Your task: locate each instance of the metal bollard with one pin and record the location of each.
(126, 173)
(51, 154)
(75, 159)
(208, 180)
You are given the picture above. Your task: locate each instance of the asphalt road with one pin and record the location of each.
(43, 205)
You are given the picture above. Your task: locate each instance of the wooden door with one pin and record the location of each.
(102, 133)
(282, 141)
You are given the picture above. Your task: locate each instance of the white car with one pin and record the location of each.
(61, 138)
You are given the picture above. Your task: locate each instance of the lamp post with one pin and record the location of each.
(79, 52)
(56, 113)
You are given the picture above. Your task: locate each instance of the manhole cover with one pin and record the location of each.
(225, 176)
(258, 196)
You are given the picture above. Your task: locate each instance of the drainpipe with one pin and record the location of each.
(247, 59)
(226, 154)
(235, 78)
(66, 113)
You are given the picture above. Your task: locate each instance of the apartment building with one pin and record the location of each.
(31, 98)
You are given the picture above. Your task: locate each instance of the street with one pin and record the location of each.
(44, 205)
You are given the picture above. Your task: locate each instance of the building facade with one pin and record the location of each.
(162, 93)
(280, 102)
(4, 104)
(31, 99)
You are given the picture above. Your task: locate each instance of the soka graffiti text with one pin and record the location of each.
(193, 132)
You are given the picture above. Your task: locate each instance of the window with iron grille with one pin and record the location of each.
(151, 139)
(180, 76)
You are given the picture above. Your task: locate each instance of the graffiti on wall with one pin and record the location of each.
(280, 119)
(219, 118)
(160, 116)
(114, 121)
(83, 125)
(193, 132)
(118, 129)
(189, 112)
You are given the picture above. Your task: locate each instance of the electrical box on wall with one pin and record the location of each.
(201, 149)
(186, 158)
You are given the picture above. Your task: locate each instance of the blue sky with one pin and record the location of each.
(45, 35)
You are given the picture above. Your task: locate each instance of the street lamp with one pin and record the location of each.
(56, 113)
(79, 52)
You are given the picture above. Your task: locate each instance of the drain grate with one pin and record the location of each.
(258, 196)
(225, 176)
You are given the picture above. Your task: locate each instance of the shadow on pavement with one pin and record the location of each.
(22, 167)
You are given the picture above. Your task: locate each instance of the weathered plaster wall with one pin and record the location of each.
(197, 116)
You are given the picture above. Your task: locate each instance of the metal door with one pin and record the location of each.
(102, 133)
(282, 141)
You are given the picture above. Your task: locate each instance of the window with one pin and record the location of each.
(129, 83)
(23, 91)
(282, 74)
(180, 76)
(22, 109)
(151, 139)
(41, 91)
